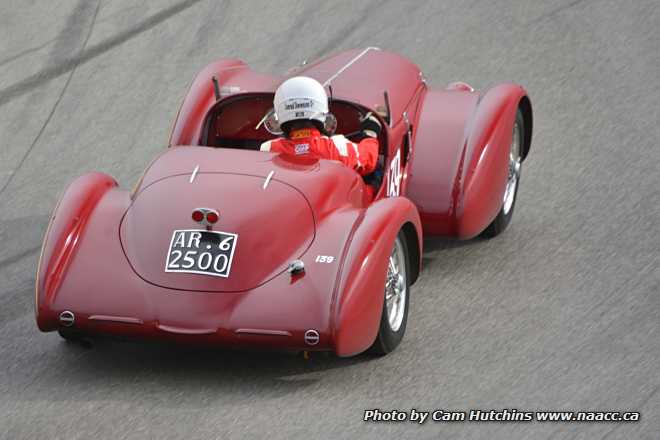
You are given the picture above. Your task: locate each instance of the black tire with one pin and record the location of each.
(502, 220)
(387, 339)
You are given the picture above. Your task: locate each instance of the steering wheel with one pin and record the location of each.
(362, 116)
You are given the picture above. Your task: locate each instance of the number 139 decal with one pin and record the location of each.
(394, 176)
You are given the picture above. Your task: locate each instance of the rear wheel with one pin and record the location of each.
(503, 218)
(395, 302)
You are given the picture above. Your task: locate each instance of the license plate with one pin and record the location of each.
(200, 251)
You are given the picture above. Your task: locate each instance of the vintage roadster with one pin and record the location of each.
(220, 243)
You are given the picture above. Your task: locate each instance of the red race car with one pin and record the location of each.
(221, 243)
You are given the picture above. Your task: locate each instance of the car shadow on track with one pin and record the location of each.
(193, 368)
(439, 243)
(436, 246)
(172, 375)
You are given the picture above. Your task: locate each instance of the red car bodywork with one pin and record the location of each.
(444, 157)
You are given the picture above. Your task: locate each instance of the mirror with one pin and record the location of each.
(330, 124)
(270, 123)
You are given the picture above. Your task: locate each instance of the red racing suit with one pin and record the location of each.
(362, 157)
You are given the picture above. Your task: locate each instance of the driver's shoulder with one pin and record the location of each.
(268, 145)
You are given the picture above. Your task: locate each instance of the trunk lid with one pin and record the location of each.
(274, 225)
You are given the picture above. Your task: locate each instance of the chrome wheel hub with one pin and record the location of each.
(514, 170)
(396, 287)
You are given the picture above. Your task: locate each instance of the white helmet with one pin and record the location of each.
(300, 97)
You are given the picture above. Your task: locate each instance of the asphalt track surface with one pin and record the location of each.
(560, 312)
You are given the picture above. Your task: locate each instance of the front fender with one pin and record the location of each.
(484, 165)
(358, 297)
(65, 231)
(200, 98)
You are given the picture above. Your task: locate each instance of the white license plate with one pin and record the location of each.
(201, 251)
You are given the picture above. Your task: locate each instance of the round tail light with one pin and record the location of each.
(211, 217)
(197, 215)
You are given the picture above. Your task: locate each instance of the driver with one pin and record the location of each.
(301, 108)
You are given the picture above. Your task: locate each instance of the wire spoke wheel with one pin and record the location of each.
(396, 297)
(515, 161)
(396, 287)
(514, 165)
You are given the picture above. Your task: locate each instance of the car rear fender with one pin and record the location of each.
(358, 297)
(65, 231)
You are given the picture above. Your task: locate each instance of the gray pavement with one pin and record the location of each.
(560, 312)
